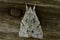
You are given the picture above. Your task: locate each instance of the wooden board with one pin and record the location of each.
(47, 11)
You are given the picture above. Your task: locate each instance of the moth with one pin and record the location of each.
(30, 25)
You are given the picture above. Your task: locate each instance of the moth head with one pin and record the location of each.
(29, 9)
(34, 7)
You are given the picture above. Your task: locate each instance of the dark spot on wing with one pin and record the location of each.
(32, 31)
(38, 26)
(27, 31)
(33, 20)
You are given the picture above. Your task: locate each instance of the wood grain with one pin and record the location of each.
(48, 13)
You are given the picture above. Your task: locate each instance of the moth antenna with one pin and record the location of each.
(34, 7)
(26, 7)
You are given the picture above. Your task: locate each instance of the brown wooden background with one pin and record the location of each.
(48, 12)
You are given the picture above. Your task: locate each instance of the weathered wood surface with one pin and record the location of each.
(48, 13)
(17, 3)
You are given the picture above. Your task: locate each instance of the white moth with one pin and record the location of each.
(30, 25)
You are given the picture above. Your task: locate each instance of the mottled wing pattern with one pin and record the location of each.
(30, 25)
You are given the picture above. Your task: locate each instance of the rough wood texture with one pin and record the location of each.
(48, 13)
